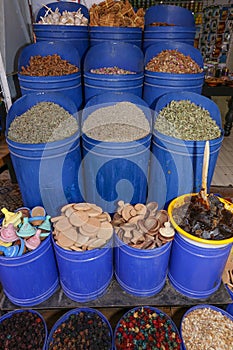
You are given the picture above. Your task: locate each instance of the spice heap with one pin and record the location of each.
(51, 65)
(82, 330)
(113, 13)
(173, 61)
(22, 330)
(186, 121)
(82, 226)
(122, 122)
(42, 123)
(212, 222)
(111, 70)
(142, 226)
(146, 328)
(207, 328)
(22, 231)
(65, 18)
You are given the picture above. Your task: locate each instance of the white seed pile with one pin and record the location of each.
(206, 329)
(122, 122)
(44, 122)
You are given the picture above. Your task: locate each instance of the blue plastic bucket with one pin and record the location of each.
(195, 270)
(171, 14)
(99, 34)
(157, 84)
(70, 85)
(153, 35)
(113, 170)
(77, 36)
(113, 54)
(11, 314)
(141, 272)
(32, 278)
(176, 165)
(89, 312)
(196, 331)
(86, 275)
(47, 174)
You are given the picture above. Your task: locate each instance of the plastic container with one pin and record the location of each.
(99, 34)
(113, 54)
(163, 327)
(171, 14)
(89, 312)
(70, 85)
(47, 174)
(11, 314)
(141, 272)
(113, 170)
(86, 275)
(77, 36)
(196, 265)
(32, 278)
(157, 84)
(176, 165)
(205, 335)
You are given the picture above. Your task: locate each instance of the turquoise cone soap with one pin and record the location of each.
(26, 230)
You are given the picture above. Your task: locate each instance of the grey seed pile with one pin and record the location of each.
(44, 122)
(187, 121)
(122, 122)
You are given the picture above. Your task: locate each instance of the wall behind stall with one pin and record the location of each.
(15, 33)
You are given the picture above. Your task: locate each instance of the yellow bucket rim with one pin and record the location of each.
(177, 202)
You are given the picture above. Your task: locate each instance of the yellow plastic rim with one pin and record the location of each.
(177, 202)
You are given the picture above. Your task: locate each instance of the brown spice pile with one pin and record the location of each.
(173, 61)
(116, 14)
(51, 65)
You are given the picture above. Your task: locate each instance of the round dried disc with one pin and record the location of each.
(64, 241)
(92, 225)
(97, 243)
(81, 239)
(86, 233)
(71, 234)
(63, 224)
(56, 218)
(63, 209)
(82, 206)
(106, 230)
(70, 210)
(78, 218)
(95, 210)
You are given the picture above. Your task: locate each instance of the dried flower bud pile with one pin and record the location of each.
(51, 65)
(65, 18)
(214, 222)
(186, 121)
(111, 70)
(82, 226)
(22, 330)
(83, 330)
(173, 61)
(142, 226)
(44, 122)
(122, 122)
(146, 328)
(206, 328)
(113, 13)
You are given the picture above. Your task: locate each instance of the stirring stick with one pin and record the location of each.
(205, 171)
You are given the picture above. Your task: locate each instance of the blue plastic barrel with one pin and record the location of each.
(86, 275)
(47, 174)
(195, 270)
(114, 170)
(70, 85)
(89, 312)
(176, 165)
(32, 278)
(146, 270)
(157, 84)
(14, 313)
(113, 54)
(198, 329)
(99, 34)
(171, 14)
(77, 36)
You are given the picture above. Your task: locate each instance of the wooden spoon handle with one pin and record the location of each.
(205, 166)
